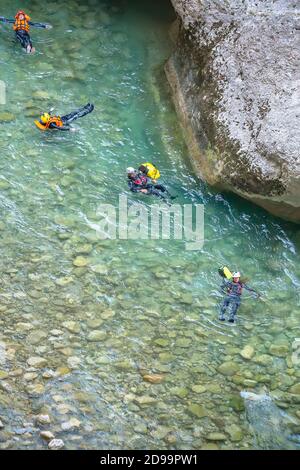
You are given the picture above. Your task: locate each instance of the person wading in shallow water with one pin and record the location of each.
(233, 289)
(21, 26)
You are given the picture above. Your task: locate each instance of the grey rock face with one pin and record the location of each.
(268, 422)
(235, 79)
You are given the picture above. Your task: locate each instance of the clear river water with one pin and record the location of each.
(83, 320)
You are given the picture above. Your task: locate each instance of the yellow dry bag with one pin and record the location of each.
(153, 172)
(224, 272)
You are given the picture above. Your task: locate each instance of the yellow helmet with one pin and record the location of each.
(45, 117)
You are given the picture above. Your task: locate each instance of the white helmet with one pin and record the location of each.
(130, 170)
(236, 274)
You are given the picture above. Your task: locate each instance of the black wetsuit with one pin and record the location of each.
(24, 38)
(68, 118)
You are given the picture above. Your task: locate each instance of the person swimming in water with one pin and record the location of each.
(140, 183)
(49, 122)
(233, 288)
(21, 26)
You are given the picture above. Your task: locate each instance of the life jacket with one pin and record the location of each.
(153, 172)
(40, 125)
(21, 24)
(140, 180)
(54, 120)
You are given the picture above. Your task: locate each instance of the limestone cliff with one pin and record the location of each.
(236, 84)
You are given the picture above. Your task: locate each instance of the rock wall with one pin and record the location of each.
(235, 80)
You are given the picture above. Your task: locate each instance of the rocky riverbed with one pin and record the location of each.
(95, 378)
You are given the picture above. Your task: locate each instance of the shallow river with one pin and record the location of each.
(101, 314)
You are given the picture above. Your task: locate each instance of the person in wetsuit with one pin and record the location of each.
(21, 26)
(140, 183)
(233, 289)
(48, 122)
(145, 171)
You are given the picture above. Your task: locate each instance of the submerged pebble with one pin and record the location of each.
(47, 435)
(56, 444)
(7, 117)
(37, 362)
(96, 336)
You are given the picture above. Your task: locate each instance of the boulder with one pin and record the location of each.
(234, 74)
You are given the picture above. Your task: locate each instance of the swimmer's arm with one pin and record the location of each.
(40, 25)
(248, 288)
(251, 290)
(6, 20)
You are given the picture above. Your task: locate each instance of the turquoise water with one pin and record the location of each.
(152, 304)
